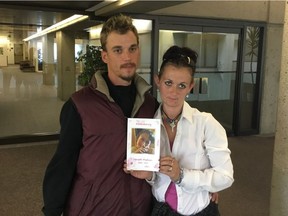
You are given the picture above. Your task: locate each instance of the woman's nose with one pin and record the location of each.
(173, 89)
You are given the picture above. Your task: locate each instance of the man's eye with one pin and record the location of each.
(168, 83)
(133, 49)
(182, 86)
(117, 51)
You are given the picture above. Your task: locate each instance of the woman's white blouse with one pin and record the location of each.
(201, 148)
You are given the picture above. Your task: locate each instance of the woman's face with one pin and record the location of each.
(174, 84)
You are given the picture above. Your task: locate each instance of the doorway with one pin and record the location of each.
(227, 79)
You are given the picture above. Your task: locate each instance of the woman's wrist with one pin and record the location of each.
(151, 178)
(180, 178)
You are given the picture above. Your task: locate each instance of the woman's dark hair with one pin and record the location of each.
(179, 57)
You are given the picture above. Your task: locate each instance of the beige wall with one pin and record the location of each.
(229, 9)
(270, 12)
(272, 66)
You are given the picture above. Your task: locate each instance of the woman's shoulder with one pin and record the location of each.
(196, 114)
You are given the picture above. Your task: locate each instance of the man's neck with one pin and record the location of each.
(124, 96)
(118, 81)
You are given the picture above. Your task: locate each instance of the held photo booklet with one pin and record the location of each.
(143, 144)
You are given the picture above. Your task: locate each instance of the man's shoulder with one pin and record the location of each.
(151, 99)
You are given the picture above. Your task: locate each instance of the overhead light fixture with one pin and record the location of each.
(100, 5)
(141, 25)
(64, 23)
(110, 6)
(4, 40)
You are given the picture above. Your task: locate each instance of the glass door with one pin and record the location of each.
(250, 85)
(215, 77)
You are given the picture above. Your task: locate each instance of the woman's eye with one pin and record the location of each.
(168, 83)
(182, 86)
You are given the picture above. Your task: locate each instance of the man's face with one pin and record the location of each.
(122, 57)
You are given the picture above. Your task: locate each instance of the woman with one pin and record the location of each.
(195, 159)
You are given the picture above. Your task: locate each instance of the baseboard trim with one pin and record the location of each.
(28, 138)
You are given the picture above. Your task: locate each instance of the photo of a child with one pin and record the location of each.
(143, 140)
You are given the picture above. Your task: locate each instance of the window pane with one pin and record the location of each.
(249, 78)
(215, 73)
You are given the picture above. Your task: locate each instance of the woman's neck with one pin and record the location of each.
(171, 121)
(171, 112)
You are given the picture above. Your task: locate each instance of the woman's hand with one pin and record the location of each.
(214, 197)
(140, 174)
(170, 167)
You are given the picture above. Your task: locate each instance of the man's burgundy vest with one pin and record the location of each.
(101, 187)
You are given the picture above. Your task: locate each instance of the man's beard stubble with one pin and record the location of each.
(128, 78)
(131, 77)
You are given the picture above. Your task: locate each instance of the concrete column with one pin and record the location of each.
(48, 60)
(279, 186)
(25, 51)
(272, 65)
(65, 64)
(31, 51)
(79, 65)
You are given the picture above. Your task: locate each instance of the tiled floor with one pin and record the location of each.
(27, 106)
(23, 166)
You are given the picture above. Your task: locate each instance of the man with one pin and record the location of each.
(85, 175)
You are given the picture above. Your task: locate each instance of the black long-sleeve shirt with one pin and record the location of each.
(63, 164)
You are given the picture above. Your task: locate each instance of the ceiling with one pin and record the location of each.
(19, 18)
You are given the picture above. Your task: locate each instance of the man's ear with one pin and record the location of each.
(104, 56)
(156, 80)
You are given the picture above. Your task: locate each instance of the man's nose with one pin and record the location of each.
(126, 55)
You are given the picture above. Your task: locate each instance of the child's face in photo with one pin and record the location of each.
(142, 140)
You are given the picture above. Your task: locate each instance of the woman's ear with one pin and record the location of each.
(191, 85)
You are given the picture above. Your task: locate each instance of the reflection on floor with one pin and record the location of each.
(27, 106)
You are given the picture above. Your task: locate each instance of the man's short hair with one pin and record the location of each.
(120, 24)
